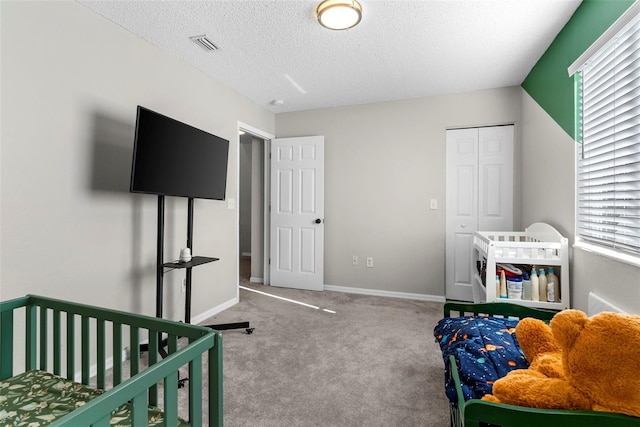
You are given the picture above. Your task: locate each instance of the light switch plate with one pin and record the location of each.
(231, 203)
(433, 204)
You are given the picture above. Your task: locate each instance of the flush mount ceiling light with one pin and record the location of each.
(339, 14)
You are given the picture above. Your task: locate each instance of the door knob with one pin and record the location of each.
(318, 221)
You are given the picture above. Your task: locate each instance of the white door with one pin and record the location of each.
(495, 184)
(297, 213)
(479, 198)
(462, 211)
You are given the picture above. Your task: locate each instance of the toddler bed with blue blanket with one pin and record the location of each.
(485, 348)
(479, 346)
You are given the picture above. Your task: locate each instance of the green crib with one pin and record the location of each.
(74, 356)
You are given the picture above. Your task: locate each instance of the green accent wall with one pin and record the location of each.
(548, 82)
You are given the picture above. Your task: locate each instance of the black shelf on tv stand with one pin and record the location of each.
(195, 261)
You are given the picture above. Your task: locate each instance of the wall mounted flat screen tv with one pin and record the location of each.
(171, 158)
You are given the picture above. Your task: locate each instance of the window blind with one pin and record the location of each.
(608, 169)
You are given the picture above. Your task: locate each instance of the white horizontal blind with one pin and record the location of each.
(608, 181)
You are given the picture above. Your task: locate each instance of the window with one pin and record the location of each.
(608, 136)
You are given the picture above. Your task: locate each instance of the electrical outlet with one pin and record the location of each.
(369, 262)
(355, 260)
(184, 285)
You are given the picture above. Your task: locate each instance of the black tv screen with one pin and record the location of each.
(171, 158)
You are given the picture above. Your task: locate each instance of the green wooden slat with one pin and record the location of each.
(171, 399)
(195, 391)
(6, 345)
(140, 415)
(153, 359)
(101, 354)
(117, 353)
(215, 382)
(71, 345)
(134, 341)
(31, 338)
(57, 343)
(85, 344)
(44, 337)
(172, 344)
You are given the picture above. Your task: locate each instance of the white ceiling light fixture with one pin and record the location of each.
(339, 14)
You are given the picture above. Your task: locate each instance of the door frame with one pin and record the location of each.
(266, 137)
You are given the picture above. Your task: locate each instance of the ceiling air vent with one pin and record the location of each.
(204, 43)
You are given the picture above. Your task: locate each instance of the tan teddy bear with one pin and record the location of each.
(577, 363)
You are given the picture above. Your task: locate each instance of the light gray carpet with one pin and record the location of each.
(372, 363)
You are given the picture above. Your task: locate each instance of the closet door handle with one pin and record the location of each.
(318, 221)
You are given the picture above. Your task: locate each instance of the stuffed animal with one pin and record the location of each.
(576, 363)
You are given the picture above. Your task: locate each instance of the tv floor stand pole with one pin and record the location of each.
(160, 256)
(187, 302)
(159, 275)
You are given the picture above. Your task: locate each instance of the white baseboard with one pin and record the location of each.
(196, 320)
(390, 294)
(256, 279)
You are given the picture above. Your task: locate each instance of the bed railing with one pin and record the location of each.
(51, 325)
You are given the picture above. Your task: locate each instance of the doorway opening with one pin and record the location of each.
(252, 214)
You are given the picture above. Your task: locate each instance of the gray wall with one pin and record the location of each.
(548, 187)
(383, 163)
(71, 81)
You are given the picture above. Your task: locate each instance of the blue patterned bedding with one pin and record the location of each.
(485, 349)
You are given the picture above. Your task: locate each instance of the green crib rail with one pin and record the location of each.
(44, 335)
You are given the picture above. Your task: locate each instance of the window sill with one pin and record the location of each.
(608, 253)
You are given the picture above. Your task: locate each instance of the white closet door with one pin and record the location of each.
(462, 211)
(479, 198)
(495, 183)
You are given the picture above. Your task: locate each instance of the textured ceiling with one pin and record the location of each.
(402, 49)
